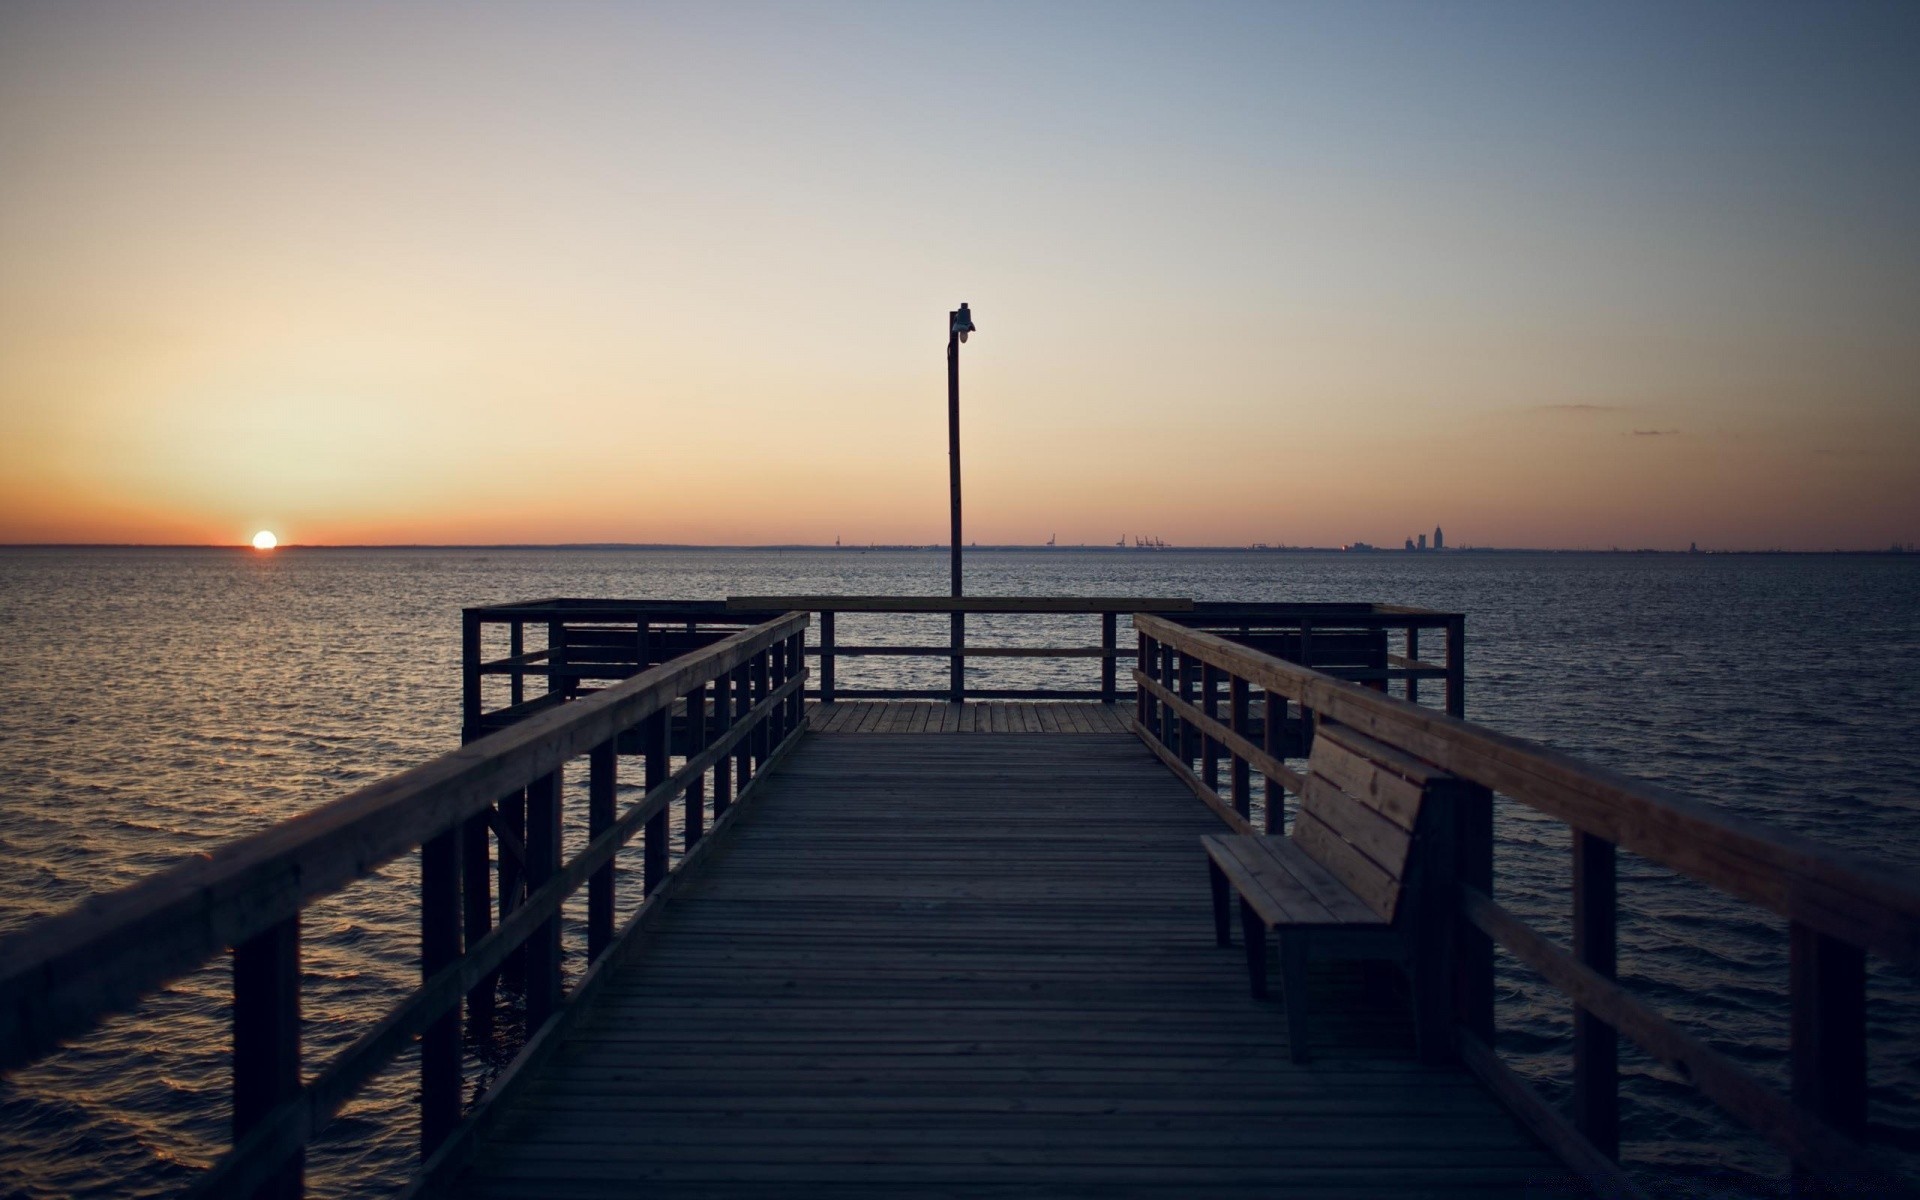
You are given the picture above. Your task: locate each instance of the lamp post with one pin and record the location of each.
(959, 325)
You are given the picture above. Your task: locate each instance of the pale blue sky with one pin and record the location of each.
(1201, 240)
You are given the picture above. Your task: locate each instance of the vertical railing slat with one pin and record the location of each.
(696, 795)
(543, 863)
(723, 769)
(1210, 705)
(1828, 988)
(1109, 657)
(653, 852)
(469, 676)
(1473, 993)
(826, 657)
(439, 946)
(1456, 690)
(476, 903)
(603, 778)
(1413, 655)
(1237, 720)
(1273, 738)
(266, 1040)
(797, 666)
(1596, 1069)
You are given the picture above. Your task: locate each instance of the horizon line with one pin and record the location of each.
(901, 547)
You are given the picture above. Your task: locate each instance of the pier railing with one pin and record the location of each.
(1348, 640)
(1839, 907)
(740, 704)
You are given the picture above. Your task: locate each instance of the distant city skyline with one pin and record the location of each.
(1636, 275)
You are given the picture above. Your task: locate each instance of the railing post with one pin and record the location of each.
(826, 657)
(757, 678)
(1145, 659)
(643, 643)
(1413, 656)
(439, 947)
(603, 767)
(797, 666)
(543, 863)
(1828, 986)
(512, 847)
(696, 819)
(1472, 948)
(266, 1041)
(1596, 1069)
(776, 675)
(1183, 664)
(1210, 706)
(1273, 736)
(722, 723)
(516, 647)
(1169, 720)
(1109, 657)
(469, 675)
(1457, 667)
(956, 662)
(742, 749)
(476, 902)
(1237, 713)
(557, 683)
(653, 854)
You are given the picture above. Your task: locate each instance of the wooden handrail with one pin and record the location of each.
(59, 977)
(1838, 905)
(1844, 896)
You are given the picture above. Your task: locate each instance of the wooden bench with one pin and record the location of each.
(1368, 850)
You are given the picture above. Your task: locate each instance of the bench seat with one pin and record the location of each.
(1339, 881)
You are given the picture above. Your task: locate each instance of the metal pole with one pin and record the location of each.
(956, 688)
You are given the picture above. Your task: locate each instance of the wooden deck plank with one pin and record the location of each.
(936, 966)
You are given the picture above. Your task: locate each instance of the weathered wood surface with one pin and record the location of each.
(985, 716)
(981, 967)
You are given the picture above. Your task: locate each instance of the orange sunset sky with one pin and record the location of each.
(1635, 275)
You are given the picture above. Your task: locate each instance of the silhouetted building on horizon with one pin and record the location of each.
(1439, 539)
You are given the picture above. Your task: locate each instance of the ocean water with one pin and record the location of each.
(156, 702)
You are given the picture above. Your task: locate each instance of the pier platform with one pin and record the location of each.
(854, 934)
(930, 965)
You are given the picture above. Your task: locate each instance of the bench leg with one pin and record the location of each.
(1293, 974)
(1222, 923)
(1254, 931)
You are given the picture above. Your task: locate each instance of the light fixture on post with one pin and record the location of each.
(959, 325)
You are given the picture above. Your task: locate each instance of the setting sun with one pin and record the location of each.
(264, 540)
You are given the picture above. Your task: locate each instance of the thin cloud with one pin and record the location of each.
(1656, 433)
(1579, 408)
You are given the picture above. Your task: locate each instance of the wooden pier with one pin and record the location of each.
(957, 941)
(921, 969)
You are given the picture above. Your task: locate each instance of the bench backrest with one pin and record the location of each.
(1359, 811)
